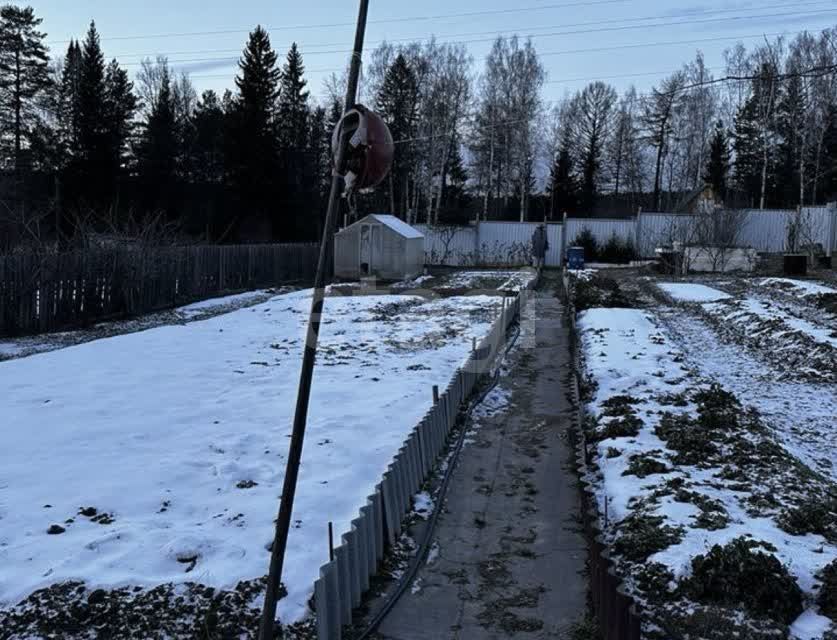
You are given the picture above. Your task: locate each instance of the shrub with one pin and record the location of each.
(827, 598)
(653, 579)
(644, 465)
(617, 250)
(642, 535)
(599, 291)
(737, 575)
(587, 240)
(717, 409)
(815, 516)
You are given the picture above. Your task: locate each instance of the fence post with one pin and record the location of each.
(638, 231)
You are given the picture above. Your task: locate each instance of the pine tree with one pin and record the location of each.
(24, 70)
(250, 144)
(93, 152)
(748, 149)
(455, 209)
(120, 106)
(69, 96)
(717, 164)
(319, 149)
(208, 143)
(790, 122)
(563, 187)
(397, 104)
(292, 109)
(158, 148)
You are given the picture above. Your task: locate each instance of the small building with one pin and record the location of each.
(378, 245)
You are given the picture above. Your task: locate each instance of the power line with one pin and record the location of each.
(585, 3)
(552, 34)
(307, 52)
(640, 45)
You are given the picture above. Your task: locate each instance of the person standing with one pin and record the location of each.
(540, 245)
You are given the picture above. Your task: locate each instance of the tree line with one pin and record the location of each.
(89, 151)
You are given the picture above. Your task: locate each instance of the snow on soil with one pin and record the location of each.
(802, 413)
(173, 440)
(237, 300)
(692, 292)
(802, 287)
(29, 345)
(509, 280)
(628, 352)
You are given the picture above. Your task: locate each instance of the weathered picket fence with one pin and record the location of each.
(41, 292)
(344, 580)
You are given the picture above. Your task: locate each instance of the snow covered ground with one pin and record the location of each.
(804, 288)
(29, 345)
(685, 469)
(160, 453)
(692, 292)
(503, 280)
(638, 366)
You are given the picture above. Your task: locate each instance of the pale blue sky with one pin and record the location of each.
(210, 34)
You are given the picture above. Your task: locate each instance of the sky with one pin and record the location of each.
(577, 39)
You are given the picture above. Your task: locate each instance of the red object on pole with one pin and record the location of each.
(370, 152)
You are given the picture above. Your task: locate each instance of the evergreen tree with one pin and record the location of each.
(69, 96)
(455, 202)
(93, 153)
(748, 149)
(397, 104)
(24, 71)
(753, 140)
(319, 149)
(120, 106)
(563, 187)
(292, 109)
(790, 123)
(717, 165)
(208, 142)
(158, 148)
(251, 146)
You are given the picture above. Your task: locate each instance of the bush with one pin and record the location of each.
(587, 240)
(599, 291)
(817, 516)
(617, 251)
(642, 535)
(827, 598)
(737, 575)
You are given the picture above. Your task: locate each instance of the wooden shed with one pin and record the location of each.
(378, 245)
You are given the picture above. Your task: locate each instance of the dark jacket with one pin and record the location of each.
(540, 245)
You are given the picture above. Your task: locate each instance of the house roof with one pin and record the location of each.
(397, 225)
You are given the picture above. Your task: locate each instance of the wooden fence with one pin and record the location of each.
(49, 292)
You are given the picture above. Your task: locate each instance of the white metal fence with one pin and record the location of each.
(509, 243)
(488, 244)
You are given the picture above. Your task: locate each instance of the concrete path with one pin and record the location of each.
(508, 559)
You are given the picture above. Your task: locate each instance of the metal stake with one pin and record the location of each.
(286, 502)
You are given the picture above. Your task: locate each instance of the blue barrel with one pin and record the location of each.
(575, 257)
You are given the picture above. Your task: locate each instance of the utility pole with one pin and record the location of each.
(286, 501)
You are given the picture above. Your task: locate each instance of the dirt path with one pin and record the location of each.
(508, 558)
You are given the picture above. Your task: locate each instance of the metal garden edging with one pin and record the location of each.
(615, 610)
(345, 579)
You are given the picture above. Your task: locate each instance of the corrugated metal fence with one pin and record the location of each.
(345, 579)
(762, 230)
(488, 244)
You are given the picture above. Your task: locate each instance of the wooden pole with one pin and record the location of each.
(286, 501)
